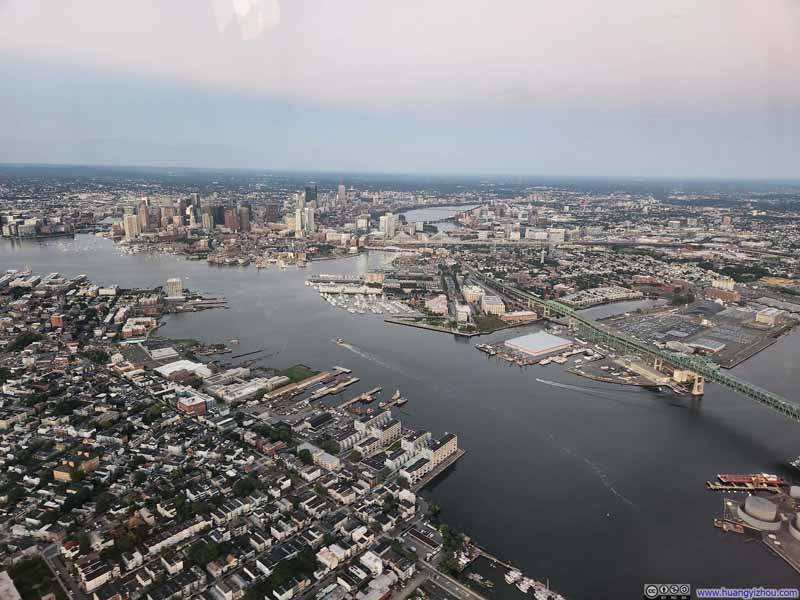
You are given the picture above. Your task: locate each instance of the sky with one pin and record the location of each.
(662, 88)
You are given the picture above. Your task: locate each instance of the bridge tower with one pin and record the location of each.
(698, 386)
(572, 323)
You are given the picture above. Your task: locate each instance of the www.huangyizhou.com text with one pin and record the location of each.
(747, 593)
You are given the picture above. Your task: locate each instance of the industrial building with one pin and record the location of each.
(538, 344)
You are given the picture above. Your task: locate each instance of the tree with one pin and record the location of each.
(99, 357)
(203, 552)
(103, 502)
(244, 487)
(305, 456)
(84, 545)
(23, 340)
(355, 456)
(329, 445)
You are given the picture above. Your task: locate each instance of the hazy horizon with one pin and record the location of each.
(623, 89)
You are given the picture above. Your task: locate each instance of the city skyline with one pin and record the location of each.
(678, 90)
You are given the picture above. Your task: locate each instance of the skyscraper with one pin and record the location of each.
(298, 221)
(309, 219)
(182, 204)
(272, 212)
(174, 288)
(341, 195)
(231, 219)
(218, 212)
(311, 193)
(131, 225)
(244, 218)
(144, 215)
(387, 225)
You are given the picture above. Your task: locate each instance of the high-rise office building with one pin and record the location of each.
(272, 212)
(208, 222)
(387, 224)
(341, 195)
(144, 215)
(311, 193)
(174, 288)
(131, 225)
(231, 219)
(218, 212)
(309, 219)
(299, 216)
(244, 218)
(182, 204)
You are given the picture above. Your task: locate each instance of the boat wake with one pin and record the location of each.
(598, 393)
(604, 478)
(374, 359)
(607, 482)
(579, 388)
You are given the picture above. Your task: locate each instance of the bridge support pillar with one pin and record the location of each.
(658, 364)
(699, 386)
(572, 324)
(546, 312)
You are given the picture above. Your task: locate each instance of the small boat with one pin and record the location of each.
(339, 341)
(401, 401)
(513, 576)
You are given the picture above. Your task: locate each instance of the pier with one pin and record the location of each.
(365, 397)
(299, 386)
(451, 460)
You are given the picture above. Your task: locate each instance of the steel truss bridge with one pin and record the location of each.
(701, 369)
